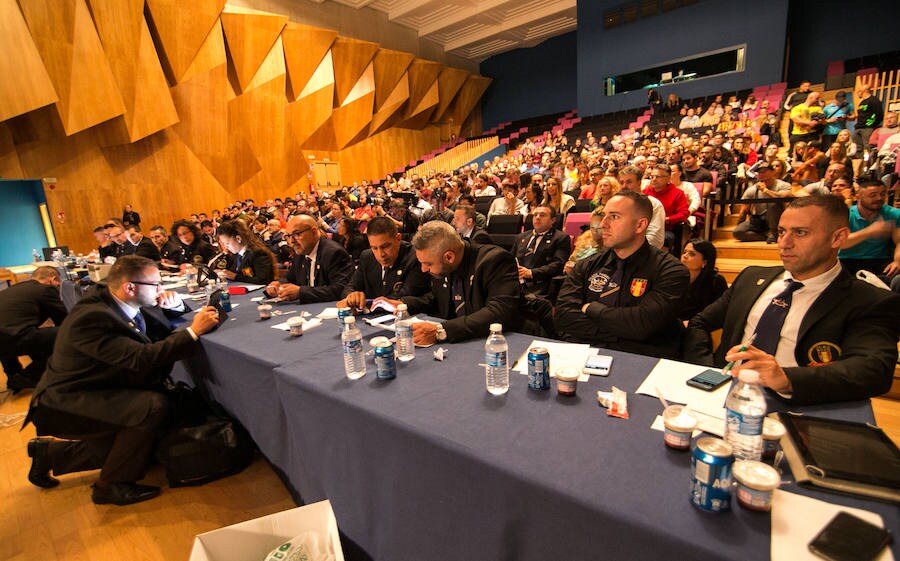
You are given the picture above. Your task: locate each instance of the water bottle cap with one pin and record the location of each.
(495, 327)
(749, 376)
(349, 320)
(401, 307)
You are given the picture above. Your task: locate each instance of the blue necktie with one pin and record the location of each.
(139, 322)
(768, 330)
(237, 263)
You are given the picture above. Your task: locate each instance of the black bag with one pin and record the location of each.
(199, 454)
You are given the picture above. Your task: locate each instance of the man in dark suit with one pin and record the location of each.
(541, 253)
(464, 222)
(472, 286)
(321, 268)
(628, 296)
(24, 307)
(819, 334)
(389, 268)
(119, 239)
(139, 244)
(167, 248)
(102, 391)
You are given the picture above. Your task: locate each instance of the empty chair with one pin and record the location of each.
(582, 205)
(575, 221)
(504, 224)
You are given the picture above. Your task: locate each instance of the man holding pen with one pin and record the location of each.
(820, 335)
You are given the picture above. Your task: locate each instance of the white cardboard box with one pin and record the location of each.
(254, 539)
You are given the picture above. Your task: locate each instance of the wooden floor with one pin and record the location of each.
(63, 523)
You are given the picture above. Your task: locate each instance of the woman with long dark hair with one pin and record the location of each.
(349, 236)
(252, 262)
(699, 256)
(191, 243)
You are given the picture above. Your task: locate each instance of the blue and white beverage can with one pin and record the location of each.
(225, 299)
(385, 360)
(538, 368)
(343, 313)
(711, 465)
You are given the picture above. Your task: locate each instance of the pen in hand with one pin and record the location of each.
(744, 347)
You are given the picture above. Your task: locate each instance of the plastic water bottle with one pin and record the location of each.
(35, 255)
(745, 409)
(496, 364)
(406, 349)
(354, 356)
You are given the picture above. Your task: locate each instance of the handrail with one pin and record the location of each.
(456, 156)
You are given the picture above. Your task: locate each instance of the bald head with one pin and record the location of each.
(303, 233)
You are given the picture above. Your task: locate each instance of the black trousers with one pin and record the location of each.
(37, 344)
(122, 455)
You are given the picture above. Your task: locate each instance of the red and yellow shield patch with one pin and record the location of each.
(638, 287)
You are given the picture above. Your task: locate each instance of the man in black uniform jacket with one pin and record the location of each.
(102, 391)
(472, 286)
(168, 249)
(542, 252)
(321, 268)
(627, 297)
(24, 307)
(833, 337)
(388, 268)
(140, 245)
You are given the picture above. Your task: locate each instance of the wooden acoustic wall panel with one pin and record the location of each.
(351, 58)
(304, 49)
(422, 91)
(26, 84)
(390, 67)
(391, 110)
(352, 118)
(70, 48)
(315, 104)
(180, 29)
(135, 65)
(202, 102)
(467, 99)
(10, 168)
(250, 36)
(421, 114)
(450, 81)
(382, 153)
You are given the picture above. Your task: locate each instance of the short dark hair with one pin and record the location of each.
(548, 207)
(126, 267)
(45, 272)
(467, 210)
(206, 223)
(158, 228)
(832, 205)
(381, 225)
(134, 227)
(641, 202)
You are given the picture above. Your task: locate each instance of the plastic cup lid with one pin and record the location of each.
(756, 475)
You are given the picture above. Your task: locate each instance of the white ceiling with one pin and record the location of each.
(477, 29)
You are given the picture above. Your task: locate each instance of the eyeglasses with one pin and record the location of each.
(299, 233)
(154, 284)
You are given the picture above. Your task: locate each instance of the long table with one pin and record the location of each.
(430, 466)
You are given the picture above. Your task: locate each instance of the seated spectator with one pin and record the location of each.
(103, 389)
(820, 334)
(24, 308)
(167, 248)
(807, 170)
(874, 240)
(759, 221)
(484, 187)
(676, 172)
(710, 118)
(560, 202)
(273, 237)
(541, 252)
(707, 285)
(464, 223)
(606, 187)
(349, 237)
(193, 248)
(589, 242)
(509, 203)
(885, 131)
(690, 121)
(208, 233)
(139, 244)
(320, 270)
(630, 180)
(673, 200)
(850, 147)
(823, 187)
(251, 262)
(589, 188)
(533, 197)
(627, 297)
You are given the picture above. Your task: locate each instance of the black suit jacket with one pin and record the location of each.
(28, 304)
(101, 367)
(145, 248)
(256, 267)
(404, 278)
(847, 344)
(334, 269)
(479, 236)
(549, 257)
(188, 252)
(492, 290)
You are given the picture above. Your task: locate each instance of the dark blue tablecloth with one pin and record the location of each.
(430, 466)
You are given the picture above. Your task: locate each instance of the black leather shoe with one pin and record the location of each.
(19, 382)
(123, 493)
(39, 474)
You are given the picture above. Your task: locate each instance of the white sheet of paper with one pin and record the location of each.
(382, 305)
(307, 325)
(561, 354)
(253, 287)
(671, 376)
(257, 298)
(173, 285)
(797, 519)
(380, 319)
(328, 313)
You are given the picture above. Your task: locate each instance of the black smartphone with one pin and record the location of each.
(850, 538)
(709, 380)
(215, 300)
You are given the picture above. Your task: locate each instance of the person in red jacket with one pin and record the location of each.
(672, 199)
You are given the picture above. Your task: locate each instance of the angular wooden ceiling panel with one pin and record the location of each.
(10, 167)
(308, 114)
(304, 48)
(421, 114)
(210, 55)
(391, 110)
(250, 36)
(321, 78)
(32, 87)
(272, 68)
(351, 57)
(70, 48)
(135, 65)
(450, 81)
(352, 119)
(181, 29)
(467, 98)
(390, 67)
(422, 76)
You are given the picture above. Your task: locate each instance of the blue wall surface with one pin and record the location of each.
(531, 82)
(21, 228)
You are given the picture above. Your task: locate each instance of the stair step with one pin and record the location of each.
(733, 249)
(730, 268)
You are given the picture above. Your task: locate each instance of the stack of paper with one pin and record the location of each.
(561, 355)
(669, 378)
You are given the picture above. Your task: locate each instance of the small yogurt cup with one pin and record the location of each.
(680, 425)
(755, 483)
(295, 325)
(566, 381)
(265, 311)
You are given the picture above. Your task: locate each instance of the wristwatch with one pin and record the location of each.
(440, 334)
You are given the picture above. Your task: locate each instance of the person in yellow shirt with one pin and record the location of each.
(804, 124)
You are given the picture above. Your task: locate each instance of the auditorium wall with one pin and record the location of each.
(178, 107)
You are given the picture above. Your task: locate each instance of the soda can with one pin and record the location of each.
(538, 368)
(385, 361)
(343, 313)
(711, 464)
(225, 299)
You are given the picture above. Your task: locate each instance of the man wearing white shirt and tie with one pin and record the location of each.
(541, 253)
(821, 335)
